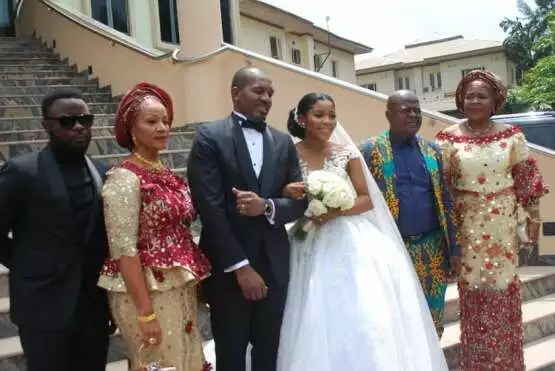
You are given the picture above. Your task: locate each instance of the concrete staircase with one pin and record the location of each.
(28, 71)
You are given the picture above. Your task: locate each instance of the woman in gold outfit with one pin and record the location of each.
(491, 173)
(154, 265)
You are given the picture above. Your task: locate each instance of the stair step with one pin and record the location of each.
(536, 282)
(171, 158)
(8, 68)
(41, 134)
(184, 138)
(36, 99)
(18, 48)
(33, 122)
(44, 81)
(31, 53)
(538, 355)
(45, 89)
(40, 60)
(108, 149)
(11, 352)
(35, 110)
(16, 39)
(538, 316)
(36, 74)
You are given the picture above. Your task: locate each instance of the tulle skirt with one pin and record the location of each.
(355, 303)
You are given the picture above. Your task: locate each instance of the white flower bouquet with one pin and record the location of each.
(326, 191)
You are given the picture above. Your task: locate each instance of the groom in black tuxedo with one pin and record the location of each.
(237, 170)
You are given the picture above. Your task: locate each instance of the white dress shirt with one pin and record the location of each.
(255, 144)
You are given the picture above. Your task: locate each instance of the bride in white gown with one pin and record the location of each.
(354, 301)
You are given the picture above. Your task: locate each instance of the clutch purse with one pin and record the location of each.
(149, 361)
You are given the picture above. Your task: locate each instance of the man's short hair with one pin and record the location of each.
(55, 95)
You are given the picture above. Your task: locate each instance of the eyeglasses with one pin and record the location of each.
(68, 122)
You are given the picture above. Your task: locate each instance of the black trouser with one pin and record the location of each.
(236, 322)
(82, 345)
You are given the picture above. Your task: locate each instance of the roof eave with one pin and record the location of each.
(428, 61)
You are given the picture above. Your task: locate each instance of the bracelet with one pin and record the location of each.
(145, 319)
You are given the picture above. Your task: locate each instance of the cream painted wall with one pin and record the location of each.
(345, 63)
(255, 36)
(451, 73)
(385, 81)
(143, 21)
(82, 6)
(451, 70)
(141, 14)
(201, 89)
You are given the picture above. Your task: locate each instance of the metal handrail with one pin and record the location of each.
(18, 7)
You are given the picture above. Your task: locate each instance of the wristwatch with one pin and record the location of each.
(268, 208)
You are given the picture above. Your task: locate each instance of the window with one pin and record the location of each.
(167, 13)
(468, 70)
(407, 83)
(400, 83)
(334, 69)
(432, 82)
(371, 86)
(112, 13)
(438, 80)
(317, 62)
(275, 47)
(296, 56)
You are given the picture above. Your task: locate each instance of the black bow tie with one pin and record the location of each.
(258, 126)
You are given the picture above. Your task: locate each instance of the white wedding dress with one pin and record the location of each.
(354, 301)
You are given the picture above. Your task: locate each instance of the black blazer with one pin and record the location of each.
(220, 160)
(48, 267)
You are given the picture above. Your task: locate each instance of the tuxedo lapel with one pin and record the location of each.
(97, 183)
(50, 169)
(243, 156)
(268, 164)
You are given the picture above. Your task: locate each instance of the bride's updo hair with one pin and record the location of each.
(305, 104)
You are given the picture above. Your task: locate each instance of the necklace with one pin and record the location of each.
(154, 164)
(488, 128)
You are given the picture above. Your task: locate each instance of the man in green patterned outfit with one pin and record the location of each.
(409, 172)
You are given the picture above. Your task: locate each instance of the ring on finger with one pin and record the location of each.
(152, 341)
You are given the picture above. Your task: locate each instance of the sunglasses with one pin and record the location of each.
(68, 122)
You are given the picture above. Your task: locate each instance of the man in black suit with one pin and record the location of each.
(237, 170)
(51, 202)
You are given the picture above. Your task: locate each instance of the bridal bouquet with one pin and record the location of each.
(326, 191)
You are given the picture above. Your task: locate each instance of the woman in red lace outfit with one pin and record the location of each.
(491, 173)
(154, 265)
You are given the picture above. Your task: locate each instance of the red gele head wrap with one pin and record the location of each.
(498, 89)
(131, 105)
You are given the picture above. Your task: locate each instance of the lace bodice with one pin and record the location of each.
(336, 162)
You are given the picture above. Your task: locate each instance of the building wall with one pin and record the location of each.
(440, 99)
(345, 62)
(202, 88)
(384, 81)
(144, 26)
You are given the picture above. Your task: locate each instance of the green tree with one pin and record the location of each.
(537, 88)
(523, 44)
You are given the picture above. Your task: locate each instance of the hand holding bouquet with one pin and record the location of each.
(328, 193)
